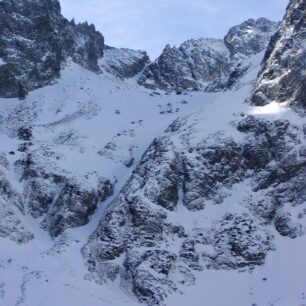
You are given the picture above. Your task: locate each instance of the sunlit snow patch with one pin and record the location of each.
(273, 108)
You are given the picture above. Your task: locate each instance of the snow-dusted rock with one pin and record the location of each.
(73, 205)
(250, 37)
(11, 208)
(140, 241)
(123, 63)
(283, 78)
(36, 40)
(63, 201)
(194, 65)
(208, 64)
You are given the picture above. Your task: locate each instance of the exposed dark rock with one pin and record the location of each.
(238, 242)
(208, 64)
(208, 168)
(192, 66)
(146, 286)
(11, 206)
(124, 63)
(73, 206)
(25, 133)
(250, 37)
(189, 254)
(36, 40)
(282, 78)
(286, 226)
(63, 201)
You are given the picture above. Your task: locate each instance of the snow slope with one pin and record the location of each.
(84, 126)
(90, 125)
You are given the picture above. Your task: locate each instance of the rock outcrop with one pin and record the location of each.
(283, 77)
(36, 40)
(250, 37)
(63, 201)
(123, 63)
(11, 208)
(141, 227)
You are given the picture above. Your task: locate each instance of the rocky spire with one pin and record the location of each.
(283, 78)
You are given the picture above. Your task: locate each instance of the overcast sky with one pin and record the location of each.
(151, 24)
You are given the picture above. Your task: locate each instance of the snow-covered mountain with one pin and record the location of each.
(175, 182)
(208, 64)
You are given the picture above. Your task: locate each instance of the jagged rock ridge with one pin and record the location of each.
(207, 64)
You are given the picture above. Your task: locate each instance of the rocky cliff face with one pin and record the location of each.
(36, 40)
(160, 251)
(207, 64)
(62, 201)
(283, 78)
(11, 206)
(250, 37)
(123, 63)
(192, 66)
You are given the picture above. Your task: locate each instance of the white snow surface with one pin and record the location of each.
(93, 124)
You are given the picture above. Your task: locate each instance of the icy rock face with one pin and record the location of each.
(10, 207)
(208, 64)
(192, 66)
(123, 63)
(140, 239)
(279, 181)
(73, 206)
(36, 39)
(250, 37)
(283, 77)
(63, 201)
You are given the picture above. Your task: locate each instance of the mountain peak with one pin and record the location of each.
(250, 37)
(36, 40)
(207, 63)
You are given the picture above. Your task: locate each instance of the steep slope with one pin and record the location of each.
(114, 194)
(204, 197)
(11, 210)
(283, 78)
(68, 144)
(60, 143)
(208, 64)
